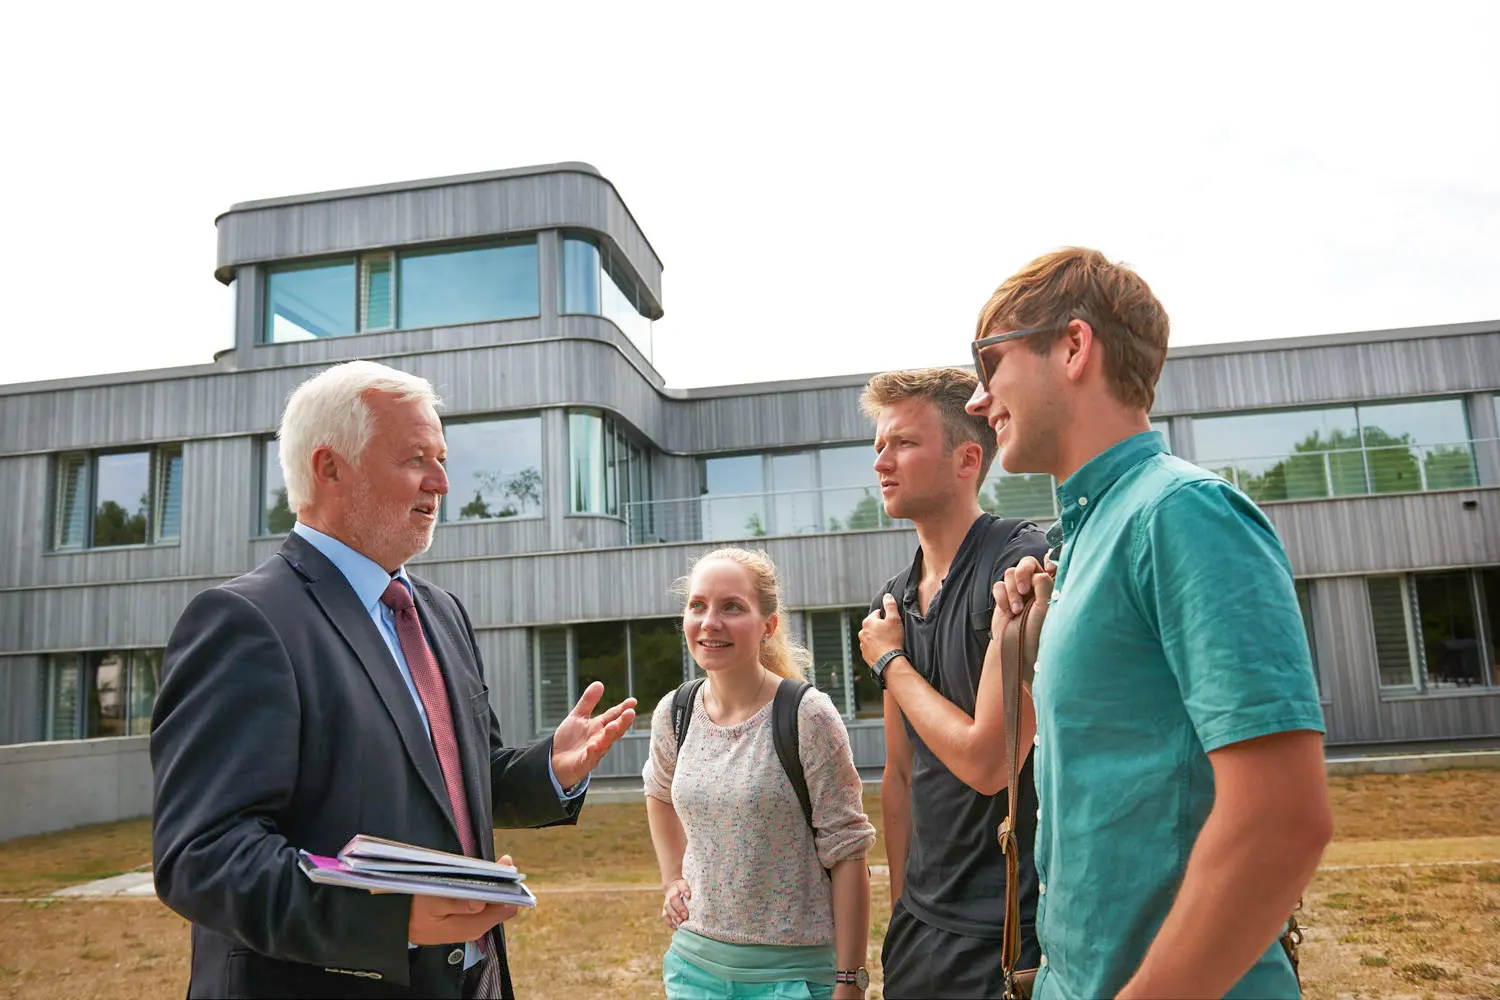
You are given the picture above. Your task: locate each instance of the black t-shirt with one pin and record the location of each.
(955, 873)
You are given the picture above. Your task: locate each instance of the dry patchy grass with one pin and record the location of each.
(73, 950)
(1415, 806)
(1420, 932)
(36, 866)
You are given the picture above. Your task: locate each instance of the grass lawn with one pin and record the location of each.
(1423, 931)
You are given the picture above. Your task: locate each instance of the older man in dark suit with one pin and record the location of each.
(329, 693)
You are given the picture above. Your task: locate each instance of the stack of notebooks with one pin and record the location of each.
(379, 865)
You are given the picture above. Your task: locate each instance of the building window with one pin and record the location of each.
(310, 301)
(597, 283)
(276, 517)
(786, 493)
(494, 469)
(1435, 631)
(108, 499)
(402, 289)
(1033, 495)
(1343, 451)
(92, 695)
(609, 471)
(839, 670)
(1305, 605)
(643, 658)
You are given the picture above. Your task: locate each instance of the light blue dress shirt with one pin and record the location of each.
(369, 582)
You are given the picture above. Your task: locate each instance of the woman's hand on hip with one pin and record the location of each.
(674, 908)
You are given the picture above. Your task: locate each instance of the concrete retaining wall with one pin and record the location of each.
(55, 786)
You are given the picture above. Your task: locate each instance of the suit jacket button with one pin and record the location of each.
(455, 956)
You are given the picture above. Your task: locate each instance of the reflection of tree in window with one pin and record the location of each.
(279, 519)
(656, 662)
(524, 488)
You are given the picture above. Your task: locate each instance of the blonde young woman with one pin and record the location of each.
(761, 906)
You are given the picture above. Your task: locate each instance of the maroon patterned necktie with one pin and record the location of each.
(428, 678)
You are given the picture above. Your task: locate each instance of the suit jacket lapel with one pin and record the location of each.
(453, 657)
(337, 599)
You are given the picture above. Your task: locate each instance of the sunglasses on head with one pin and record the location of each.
(977, 348)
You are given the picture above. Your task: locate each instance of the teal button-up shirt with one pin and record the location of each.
(1174, 630)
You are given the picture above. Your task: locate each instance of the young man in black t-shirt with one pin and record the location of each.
(943, 793)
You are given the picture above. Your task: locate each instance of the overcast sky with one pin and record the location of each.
(832, 188)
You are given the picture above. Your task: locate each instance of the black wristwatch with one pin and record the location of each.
(877, 669)
(858, 978)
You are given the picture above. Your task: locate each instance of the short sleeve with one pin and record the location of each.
(842, 830)
(1214, 582)
(1028, 540)
(661, 762)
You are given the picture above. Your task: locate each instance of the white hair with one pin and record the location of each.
(330, 409)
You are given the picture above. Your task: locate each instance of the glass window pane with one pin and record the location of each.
(106, 704)
(850, 489)
(444, 287)
(1030, 495)
(796, 507)
(494, 469)
(733, 515)
(1416, 446)
(1304, 603)
(553, 699)
(375, 292)
(169, 494)
(656, 652)
(304, 303)
(611, 469)
(145, 678)
(586, 461)
(1165, 429)
(1489, 588)
(1286, 455)
(580, 277)
(1393, 652)
(600, 651)
(62, 698)
(123, 496)
(71, 519)
(826, 634)
(618, 301)
(869, 702)
(1450, 630)
(276, 517)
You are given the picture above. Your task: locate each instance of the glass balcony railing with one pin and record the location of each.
(738, 516)
(1365, 471)
(1304, 475)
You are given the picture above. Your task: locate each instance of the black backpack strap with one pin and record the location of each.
(981, 601)
(784, 707)
(682, 708)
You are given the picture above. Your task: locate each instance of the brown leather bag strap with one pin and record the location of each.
(1018, 648)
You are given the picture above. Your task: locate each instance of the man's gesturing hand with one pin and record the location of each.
(439, 920)
(581, 742)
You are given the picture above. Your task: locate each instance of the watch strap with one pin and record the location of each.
(878, 670)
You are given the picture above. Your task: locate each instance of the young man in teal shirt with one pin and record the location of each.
(1178, 752)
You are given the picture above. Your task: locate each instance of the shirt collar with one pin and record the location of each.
(364, 574)
(1098, 474)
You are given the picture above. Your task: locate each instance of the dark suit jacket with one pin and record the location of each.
(282, 724)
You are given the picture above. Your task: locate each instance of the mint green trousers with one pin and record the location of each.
(685, 981)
